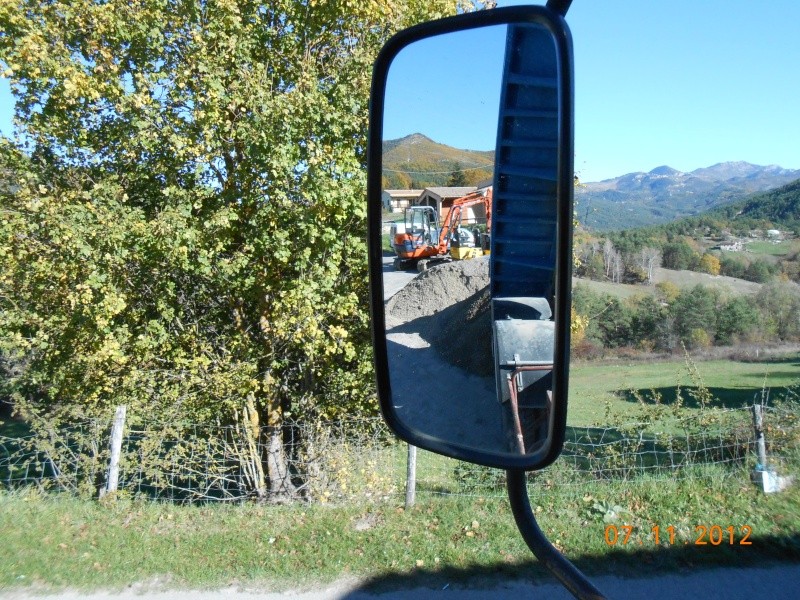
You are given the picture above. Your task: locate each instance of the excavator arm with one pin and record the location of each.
(453, 219)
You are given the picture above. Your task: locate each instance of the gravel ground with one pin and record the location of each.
(438, 336)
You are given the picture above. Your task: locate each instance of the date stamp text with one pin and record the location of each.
(703, 535)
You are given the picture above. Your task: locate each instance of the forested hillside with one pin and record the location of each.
(754, 240)
(417, 162)
(779, 207)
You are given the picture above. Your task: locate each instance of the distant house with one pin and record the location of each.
(441, 198)
(736, 246)
(773, 234)
(398, 200)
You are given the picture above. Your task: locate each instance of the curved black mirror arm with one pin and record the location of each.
(559, 6)
(567, 573)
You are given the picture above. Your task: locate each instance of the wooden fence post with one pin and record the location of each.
(411, 477)
(112, 480)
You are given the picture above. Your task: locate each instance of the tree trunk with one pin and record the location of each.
(281, 488)
(255, 467)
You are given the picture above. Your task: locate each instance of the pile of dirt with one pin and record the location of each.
(449, 306)
(438, 288)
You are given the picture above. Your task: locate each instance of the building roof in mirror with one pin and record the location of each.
(398, 200)
(449, 192)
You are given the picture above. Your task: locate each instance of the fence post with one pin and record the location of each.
(761, 447)
(764, 477)
(411, 477)
(112, 480)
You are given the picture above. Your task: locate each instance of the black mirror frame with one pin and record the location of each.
(555, 23)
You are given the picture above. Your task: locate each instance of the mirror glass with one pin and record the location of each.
(472, 122)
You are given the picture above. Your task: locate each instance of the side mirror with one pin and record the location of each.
(472, 354)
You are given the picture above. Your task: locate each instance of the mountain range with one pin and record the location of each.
(665, 194)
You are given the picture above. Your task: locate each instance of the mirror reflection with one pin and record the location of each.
(470, 153)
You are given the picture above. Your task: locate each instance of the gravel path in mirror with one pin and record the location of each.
(440, 356)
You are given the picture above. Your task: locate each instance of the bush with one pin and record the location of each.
(698, 339)
(587, 349)
(759, 271)
(471, 477)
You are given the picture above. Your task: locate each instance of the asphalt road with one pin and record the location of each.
(394, 280)
(776, 583)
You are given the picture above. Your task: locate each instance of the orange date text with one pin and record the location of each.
(703, 535)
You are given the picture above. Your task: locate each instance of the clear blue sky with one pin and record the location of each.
(682, 83)
(448, 88)
(685, 83)
(677, 82)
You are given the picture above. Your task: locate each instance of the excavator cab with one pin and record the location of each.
(423, 225)
(419, 238)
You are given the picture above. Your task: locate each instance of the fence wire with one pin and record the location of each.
(357, 460)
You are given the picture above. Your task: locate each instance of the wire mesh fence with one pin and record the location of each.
(358, 459)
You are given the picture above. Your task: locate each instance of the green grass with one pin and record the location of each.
(734, 383)
(772, 249)
(618, 290)
(682, 279)
(394, 217)
(390, 217)
(53, 542)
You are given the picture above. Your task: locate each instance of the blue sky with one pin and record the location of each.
(682, 83)
(448, 88)
(685, 83)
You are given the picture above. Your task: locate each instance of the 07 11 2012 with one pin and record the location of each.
(714, 535)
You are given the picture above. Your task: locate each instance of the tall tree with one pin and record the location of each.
(186, 235)
(649, 260)
(779, 305)
(679, 255)
(709, 264)
(617, 267)
(457, 177)
(696, 310)
(609, 253)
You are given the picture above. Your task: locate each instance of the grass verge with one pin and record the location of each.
(53, 542)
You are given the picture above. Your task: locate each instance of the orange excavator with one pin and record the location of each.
(423, 242)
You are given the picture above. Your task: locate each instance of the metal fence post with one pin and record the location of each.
(767, 479)
(411, 477)
(112, 480)
(761, 447)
